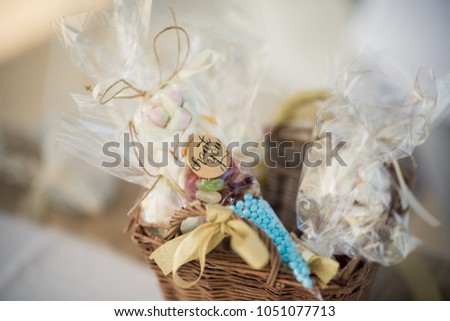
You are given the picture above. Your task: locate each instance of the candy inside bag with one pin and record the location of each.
(372, 120)
(148, 95)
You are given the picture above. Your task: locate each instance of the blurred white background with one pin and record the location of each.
(36, 79)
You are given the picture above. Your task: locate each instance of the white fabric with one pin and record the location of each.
(38, 263)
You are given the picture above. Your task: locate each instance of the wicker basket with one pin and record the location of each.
(228, 277)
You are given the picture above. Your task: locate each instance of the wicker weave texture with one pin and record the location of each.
(228, 277)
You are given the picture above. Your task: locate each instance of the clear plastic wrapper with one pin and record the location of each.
(373, 119)
(157, 86)
(165, 111)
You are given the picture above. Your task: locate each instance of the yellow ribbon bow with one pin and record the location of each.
(221, 222)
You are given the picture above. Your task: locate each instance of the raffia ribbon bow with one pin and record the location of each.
(221, 222)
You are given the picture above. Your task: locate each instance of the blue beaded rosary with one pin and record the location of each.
(260, 213)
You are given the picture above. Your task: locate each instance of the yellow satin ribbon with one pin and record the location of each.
(324, 268)
(221, 222)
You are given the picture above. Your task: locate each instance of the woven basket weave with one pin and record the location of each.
(228, 277)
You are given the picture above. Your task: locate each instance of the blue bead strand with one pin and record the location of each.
(260, 213)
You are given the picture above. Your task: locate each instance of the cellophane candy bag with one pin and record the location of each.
(373, 118)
